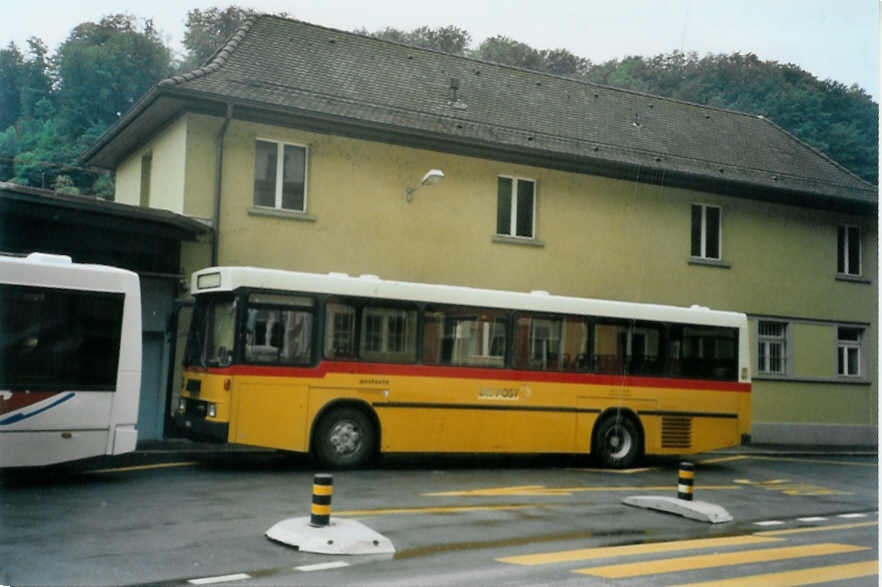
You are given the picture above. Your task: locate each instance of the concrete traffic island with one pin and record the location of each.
(682, 505)
(319, 534)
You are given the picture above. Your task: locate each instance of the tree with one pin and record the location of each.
(24, 80)
(104, 68)
(208, 30)
(562, 62)
(449, 39)
(501, 49)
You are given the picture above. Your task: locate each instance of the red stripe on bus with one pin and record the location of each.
(384, 369)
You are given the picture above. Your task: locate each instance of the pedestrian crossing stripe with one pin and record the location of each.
(707, 561)
(811, 576)
(634, 549)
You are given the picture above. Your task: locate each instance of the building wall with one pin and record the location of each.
(168, 152)
(595, 237)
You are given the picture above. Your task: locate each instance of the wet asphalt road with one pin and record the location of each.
(453, 521)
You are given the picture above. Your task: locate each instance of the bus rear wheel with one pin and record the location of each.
(345, 438)
(618, 442)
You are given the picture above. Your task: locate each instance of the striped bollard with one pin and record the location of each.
(322, 490)
(685, 481)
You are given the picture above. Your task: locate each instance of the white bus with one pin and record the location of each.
(70, 360)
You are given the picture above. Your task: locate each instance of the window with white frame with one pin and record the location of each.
(280, 176)
(848, 351)
(849, 250)
(772, 347)
(706, 231)
(516, 206)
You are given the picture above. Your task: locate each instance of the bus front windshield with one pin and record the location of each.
(212, 332)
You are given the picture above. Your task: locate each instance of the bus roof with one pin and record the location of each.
(223, 279)
(60, 271)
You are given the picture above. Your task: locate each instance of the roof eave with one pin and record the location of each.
(106, 154)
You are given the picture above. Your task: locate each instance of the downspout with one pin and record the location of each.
(218, 174)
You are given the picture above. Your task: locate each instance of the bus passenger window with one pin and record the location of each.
(610, 343)
(551, 343)
(388, 334)
(633, 348)
(339, 331)
(704, 352)
(276, 334)
(464, 336)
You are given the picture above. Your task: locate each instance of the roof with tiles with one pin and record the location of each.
(289, 65)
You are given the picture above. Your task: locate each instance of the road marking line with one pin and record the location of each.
(539, 490)
(817, 461)
(615, 471)
(769, 523)
(632, 549)
(433, 510)
(322, 566)
(812, 519)
(800, 577)
(145, 467)
(832, 528)
(707, 561)
(852, 516)
(723, 460)
(219, 579)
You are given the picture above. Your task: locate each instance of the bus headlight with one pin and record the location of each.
(182, 405)
(212, 410)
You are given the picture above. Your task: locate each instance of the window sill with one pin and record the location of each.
(517, 240)
(709, 262)
(278, 213)
(852, 278)
(823, 380)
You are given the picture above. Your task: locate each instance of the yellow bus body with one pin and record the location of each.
(437, 414)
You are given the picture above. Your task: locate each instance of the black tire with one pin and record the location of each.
(345, 438)
(618, 442)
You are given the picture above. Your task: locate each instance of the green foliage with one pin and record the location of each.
(104, 68)
(449, 39)
(208, 30)
(837, 120)
(53, 107)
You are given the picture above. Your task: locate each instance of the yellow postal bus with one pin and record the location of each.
(348, 367)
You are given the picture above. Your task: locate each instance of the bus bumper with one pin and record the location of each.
(199, 429)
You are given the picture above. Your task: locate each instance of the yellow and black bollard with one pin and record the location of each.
(685, 481)
(322, 490)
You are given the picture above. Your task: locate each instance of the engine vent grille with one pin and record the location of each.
(676, 432)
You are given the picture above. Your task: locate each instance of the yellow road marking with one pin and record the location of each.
(523, 490)
(832, 528)
(632, 549)
(145, 467)
(706, 561)
(432, 510)
(800, 577)
(616, 471)
(723, 459)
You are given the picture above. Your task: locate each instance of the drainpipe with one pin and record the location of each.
(218, 174)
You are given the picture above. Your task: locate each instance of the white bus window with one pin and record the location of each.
(55, 338)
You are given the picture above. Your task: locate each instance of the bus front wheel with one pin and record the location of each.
(618, 442)
(345, 438)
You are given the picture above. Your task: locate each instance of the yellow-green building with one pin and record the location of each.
(548, 184)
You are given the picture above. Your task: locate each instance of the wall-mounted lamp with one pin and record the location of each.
(432, 176)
